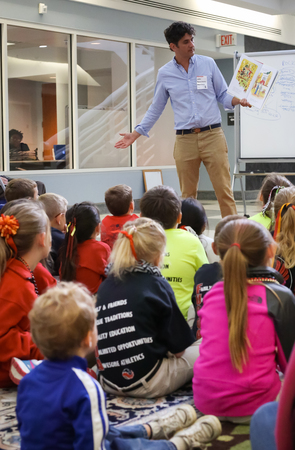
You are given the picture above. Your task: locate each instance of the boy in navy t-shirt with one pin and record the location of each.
(61, 407)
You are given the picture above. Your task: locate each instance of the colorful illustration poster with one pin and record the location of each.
(252, 80)
(244, 76)
(262, 85)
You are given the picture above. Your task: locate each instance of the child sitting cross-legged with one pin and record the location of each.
(120, 204)
(271, 186)
(55, 207)
(184, 252)
(83, 258)
(60, 407)
(247, 327)
(146, 348)
(24, 240)
(194, 220)
(21, 188)
(284, 235)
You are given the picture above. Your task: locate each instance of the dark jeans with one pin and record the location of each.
(134, 437)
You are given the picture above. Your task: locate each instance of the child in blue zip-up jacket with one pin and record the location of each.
(61, 407)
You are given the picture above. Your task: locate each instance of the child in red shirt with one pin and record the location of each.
(25, 239)
(120, 204)
(83, 258)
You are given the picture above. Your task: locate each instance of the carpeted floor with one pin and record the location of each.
(123, 411)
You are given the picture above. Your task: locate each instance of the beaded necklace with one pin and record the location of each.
(32, 279)
(261, 279)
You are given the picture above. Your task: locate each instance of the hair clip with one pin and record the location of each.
(8, 228)
(278, 188)
(130, 237)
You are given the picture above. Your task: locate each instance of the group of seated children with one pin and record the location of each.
(160, 263)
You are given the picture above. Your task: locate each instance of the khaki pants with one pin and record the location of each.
(172, 374)
(209, 147)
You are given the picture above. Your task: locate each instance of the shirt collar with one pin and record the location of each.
(18, 267)
(191, 61)
(74, 361)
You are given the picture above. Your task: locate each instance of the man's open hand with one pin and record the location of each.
(128, 139)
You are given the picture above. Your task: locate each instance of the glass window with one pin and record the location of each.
(158, 148)
(38, 94)
(103, 105)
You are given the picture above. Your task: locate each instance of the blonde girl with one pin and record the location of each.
(144, 344)
(284, 235)
(247, 327)
(25, 240)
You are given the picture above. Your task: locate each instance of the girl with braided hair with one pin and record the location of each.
(247, 327)
(144, 344)
(271, 185)
(83, 258)
(25, 239)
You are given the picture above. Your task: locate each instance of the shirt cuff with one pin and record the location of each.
(227, 104)
(140, 130)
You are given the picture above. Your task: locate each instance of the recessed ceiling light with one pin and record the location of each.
(53, 77)
(10, 43)
(42, 46)
(95, 43)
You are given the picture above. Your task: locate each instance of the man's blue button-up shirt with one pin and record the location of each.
(194, 104)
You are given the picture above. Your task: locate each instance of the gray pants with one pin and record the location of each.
(173, 373)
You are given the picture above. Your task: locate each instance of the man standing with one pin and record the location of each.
(194, 85)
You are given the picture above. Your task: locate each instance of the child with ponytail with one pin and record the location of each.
(271, 185)
(83, 258)
(144, 343)
(247, 327)
(284, 235)
(24, 240)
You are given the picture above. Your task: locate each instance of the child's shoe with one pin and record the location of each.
(19, 368)
(180, 417)
(204, 430)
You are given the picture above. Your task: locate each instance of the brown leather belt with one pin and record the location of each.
(198, 130)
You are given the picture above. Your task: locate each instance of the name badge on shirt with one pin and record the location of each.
(202, 82)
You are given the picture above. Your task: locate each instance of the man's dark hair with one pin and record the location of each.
(177, 30)
(161, 203)
(118, 199)
(12, 132)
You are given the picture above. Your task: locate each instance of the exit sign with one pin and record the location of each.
(226, 40)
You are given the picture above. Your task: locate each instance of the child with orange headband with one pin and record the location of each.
(24, 240)
(83, 258)
(146, 348)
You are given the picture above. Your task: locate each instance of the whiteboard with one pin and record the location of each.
(269, 133)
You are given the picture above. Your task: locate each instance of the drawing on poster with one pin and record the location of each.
(246, 73)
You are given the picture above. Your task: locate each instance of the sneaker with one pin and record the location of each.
(180, 417)
(19, 368)
(204, 430)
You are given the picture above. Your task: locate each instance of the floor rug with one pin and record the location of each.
(123, 411)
